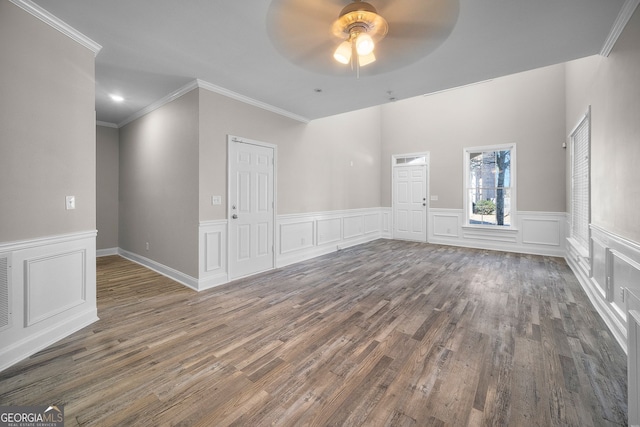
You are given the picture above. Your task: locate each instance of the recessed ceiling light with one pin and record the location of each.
(116, 98)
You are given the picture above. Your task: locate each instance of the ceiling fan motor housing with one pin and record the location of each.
(360, 17)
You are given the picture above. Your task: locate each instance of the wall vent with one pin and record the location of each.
(5, 306)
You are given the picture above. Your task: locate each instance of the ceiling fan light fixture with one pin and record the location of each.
(364, 44)
(343, 53)
(366, 59)
(360, 26)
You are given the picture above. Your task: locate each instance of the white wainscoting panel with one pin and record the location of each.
(540, 233)
(213, 254)
(329, 230)
(446, 224)
(625, 275)
(372, 222)
(54, 284)
(608, 273)
(599, 254)
(305, 236)
(353, 226)
(385, 217)
(296, 236)
(53, 292)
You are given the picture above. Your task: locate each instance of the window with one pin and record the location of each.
(580, 182)
(410, 159)
(490, 185)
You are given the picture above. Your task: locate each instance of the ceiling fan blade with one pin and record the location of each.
(301, 31)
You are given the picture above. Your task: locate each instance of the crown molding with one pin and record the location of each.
(625, 14)
(106, 124)
(159, 103)
(51, 20)
(213, 88)
(238, 97)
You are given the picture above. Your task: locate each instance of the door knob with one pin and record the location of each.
(234, 216)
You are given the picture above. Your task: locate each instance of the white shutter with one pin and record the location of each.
(580, 183)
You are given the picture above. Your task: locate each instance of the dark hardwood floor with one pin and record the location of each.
(387, 333)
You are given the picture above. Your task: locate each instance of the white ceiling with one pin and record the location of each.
(151, 48)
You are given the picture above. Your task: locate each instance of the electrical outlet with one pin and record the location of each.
(147, 245)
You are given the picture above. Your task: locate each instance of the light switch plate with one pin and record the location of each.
(70, 202)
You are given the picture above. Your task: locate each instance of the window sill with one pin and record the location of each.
(501, 228)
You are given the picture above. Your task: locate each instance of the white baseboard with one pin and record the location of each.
(106, 252)
(169, 272)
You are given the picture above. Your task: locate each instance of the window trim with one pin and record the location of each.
(513, 187)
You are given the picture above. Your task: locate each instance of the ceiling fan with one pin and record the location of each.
(361, 28)
(324, 36)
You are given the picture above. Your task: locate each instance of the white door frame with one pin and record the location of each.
(231, 139)
(396, 162)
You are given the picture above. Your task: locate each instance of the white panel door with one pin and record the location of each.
(251, 211)
(410, 202)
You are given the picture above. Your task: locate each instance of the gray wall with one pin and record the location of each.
(315, 171)
(158, 185)
(526, 108)
(107, 170)
(47, 129)
(612, 87)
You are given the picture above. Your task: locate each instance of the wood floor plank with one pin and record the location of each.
(388, 333)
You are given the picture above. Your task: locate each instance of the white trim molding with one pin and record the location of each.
(159, 103)
(52, 295)
(539, 233)
(250, 101)
(106, 252)
(178, 276)
(55, 22)
(212, 88)
(620, 23)
(106, 124)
